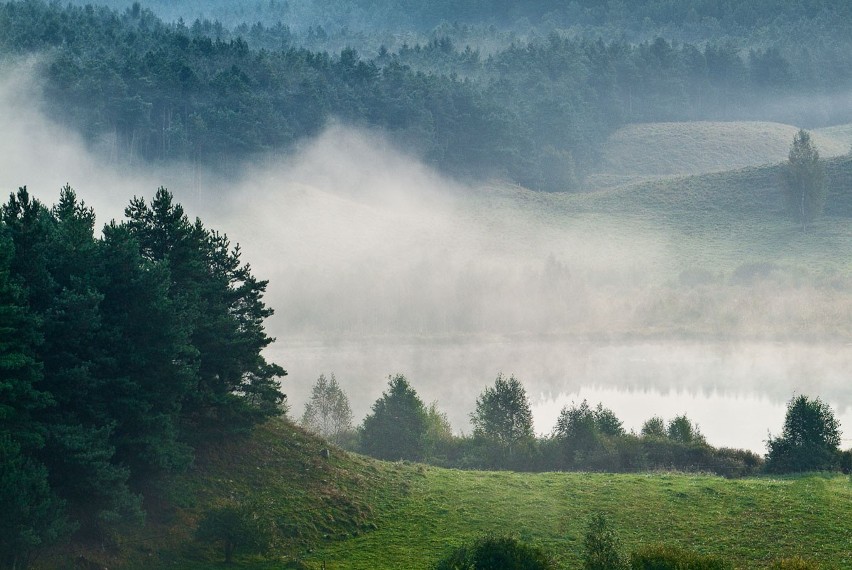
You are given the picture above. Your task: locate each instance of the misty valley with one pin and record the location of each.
(449, 285)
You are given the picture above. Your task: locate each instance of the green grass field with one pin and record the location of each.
(748, 522)
(351, 512)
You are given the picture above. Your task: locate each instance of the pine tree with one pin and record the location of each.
(33, 516)
(397, 427)
(220, 302)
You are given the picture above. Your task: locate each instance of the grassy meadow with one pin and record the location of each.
(748, 522)
(351, 512)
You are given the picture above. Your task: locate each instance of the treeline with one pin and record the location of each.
(155, 91)
(533, 113)
(585, 438)
(695, 16)
(119, 354)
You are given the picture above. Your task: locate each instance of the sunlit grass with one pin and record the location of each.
(749, 522)
(352, 512)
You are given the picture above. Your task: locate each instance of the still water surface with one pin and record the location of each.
(736, 392)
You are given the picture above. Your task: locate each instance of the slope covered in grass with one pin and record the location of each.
(666, 149)
(351, 512)
(749, 522)
(281, 475)
(736, 216)
(712, 256)
(719, 220)
(842, 134)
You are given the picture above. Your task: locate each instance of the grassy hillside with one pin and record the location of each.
(711, 256)
(737, 215)
(747, 521)
(842, 134)
(281, 475)
(717, 220)
(666, 149)
(353, 512)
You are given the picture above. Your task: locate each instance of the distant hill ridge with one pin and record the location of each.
(744, 192)
(667, 149)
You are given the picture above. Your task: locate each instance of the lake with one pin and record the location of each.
(735, 391)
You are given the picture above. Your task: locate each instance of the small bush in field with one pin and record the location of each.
(497, 553)
(235, 528)
(602, 549)
(663, 557)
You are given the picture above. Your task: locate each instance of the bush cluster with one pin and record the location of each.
(494, 552)
(601, 551)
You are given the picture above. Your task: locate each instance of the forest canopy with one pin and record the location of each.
(532, 111)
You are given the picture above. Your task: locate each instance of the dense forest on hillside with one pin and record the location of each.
(531, 112)
(700, 17)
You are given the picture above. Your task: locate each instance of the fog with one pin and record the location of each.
(378, 265)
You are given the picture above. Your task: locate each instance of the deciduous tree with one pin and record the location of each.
(809, 440)
(328, 413)
(503, 414)
(804, 180)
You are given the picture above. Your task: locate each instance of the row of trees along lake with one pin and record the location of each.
(119, 355)
(531, 112)
(401, 426)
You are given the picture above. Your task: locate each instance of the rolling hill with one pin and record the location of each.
(353, 512)
(677, 149)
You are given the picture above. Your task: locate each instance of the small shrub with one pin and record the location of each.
(497, 553)
(602, 550)
(663, 557)
(235, 527)
(846, 461)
